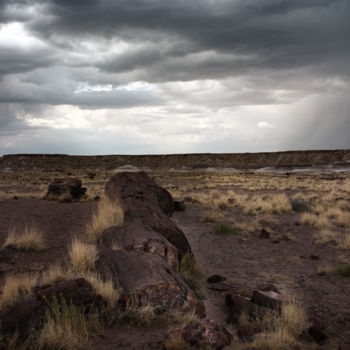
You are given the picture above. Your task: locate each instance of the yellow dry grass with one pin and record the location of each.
(320, 222)
(82, 255)
(31, 238)
(15, 288)
(108, 214)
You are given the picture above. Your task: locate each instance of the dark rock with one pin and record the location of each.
(343, 346)
(269, 299)
(91, 175)
(264, 233)
(65, 189)
(135, 236)
(141, 198)
(216, 278)
(15, 197)
(147, 279)
(314, 257)
(317, 331)
(276, 241)
(237, 304)
(299, 205)
(26, 314)
(206, 333)
(179, 204)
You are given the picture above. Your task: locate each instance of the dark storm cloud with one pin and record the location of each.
(281, 34)
(255, 52)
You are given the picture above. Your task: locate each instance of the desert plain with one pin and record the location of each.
(268, 255)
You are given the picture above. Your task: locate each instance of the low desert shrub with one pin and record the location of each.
(31, 238)
(191, 273)
(82, 255)
(225, 228)
(108, 214)
(344, 270)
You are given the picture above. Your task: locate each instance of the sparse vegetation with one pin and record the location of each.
(108, 214)
(15, 288)
(31, 238)
(226, 228)
(344, 270)
(191, 273)
(82, 255)
(67, 327)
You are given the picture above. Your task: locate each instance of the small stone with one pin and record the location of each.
(264, 233)
(275, 241)
(317, 331)
(216, 278)
(314, 257)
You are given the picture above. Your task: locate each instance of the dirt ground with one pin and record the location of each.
(290, 258)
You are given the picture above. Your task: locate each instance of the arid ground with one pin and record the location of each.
(285, 226)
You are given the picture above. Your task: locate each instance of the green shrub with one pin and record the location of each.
(225, 228)
(191, 273)
(344, 270)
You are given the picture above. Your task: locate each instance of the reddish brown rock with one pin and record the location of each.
(148, 279)
(65, 189)
(141, 198)
(206, 333)
(135, 236)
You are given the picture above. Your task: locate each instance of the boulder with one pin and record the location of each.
(147, 279)
(65, 189)
(135, 236)
(142, 198)
(299, 205)
(206, 333)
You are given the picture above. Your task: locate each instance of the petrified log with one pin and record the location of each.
(66, 189)
(147, 279)
(141, 198)
(29, 313)
(135, 236)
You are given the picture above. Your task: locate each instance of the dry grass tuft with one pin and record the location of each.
(32, 238)
(107, 214)
(281, 331)
(105, 289)
(320, 222)
(67, 327)
(15, 288)
(272, 204)
(82, 255)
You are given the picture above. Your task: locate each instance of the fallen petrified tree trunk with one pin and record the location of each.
(142, 256)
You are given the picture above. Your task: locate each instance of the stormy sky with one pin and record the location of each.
(174, 76)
